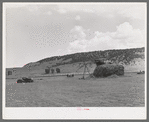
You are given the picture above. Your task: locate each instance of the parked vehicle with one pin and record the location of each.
(141, 72)
(25, 80)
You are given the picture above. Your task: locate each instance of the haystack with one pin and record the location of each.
(99, 62)
(108, 69)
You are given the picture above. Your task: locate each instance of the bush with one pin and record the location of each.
(57, 70)
(47, 71)
(52, 71)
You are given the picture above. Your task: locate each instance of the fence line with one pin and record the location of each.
(49, 75)
(54, 75)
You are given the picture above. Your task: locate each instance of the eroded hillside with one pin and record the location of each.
(131, 59)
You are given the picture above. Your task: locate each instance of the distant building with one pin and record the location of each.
(9, 73)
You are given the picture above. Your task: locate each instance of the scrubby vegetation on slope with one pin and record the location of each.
(121, 55)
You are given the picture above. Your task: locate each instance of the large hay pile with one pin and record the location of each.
(99, 62)
(108, 69)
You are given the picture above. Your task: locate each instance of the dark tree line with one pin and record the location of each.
(48, 70)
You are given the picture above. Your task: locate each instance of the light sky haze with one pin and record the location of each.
(40, 30)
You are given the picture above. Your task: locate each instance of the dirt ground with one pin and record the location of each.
(124, 91)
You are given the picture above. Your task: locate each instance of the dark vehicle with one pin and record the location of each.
(141, 72)
(70, 75)
(24, 80)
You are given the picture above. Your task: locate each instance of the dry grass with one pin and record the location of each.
(124, 91)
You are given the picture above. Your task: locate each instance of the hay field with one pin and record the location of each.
(124, 91)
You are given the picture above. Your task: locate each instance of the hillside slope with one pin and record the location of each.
(132, 59)
(123, 55)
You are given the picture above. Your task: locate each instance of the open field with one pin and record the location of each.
(60, 91)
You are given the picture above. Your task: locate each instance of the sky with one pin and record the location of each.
(40, 30)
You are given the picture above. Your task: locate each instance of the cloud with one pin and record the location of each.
(62, 11)
(14, 5)
(77, 17)
(134, 12)
(124, 37)
(88, 10)
(49, 13)
(32, 8)
(78, 32)
(77, 46)
(130, 10)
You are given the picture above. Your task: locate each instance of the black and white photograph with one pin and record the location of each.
(74, 60)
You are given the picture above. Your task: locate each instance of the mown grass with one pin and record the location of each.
(124, 91)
